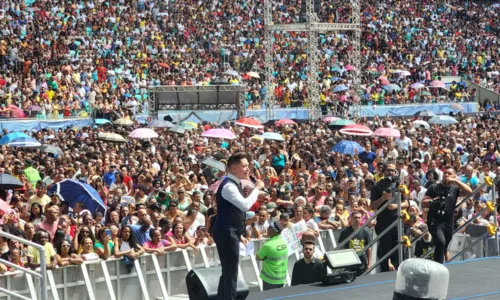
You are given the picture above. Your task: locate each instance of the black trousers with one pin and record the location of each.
(228, 247)
(442, 234)
(385, 245)
(268, 286)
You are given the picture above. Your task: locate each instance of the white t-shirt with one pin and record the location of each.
(418, 196)
(311, 224)
(404, 144)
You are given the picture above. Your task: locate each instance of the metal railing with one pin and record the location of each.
(41, 275)
(472, 219)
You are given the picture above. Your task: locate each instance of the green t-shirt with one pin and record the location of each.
(275, 260)
(101, 246)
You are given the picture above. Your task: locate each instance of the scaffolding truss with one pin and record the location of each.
(313, 27)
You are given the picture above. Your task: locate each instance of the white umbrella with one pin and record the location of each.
(443, 120)
(232, 73)
(421, 124)
(253, 74)
(112, 137)
(272, 136)
(143, 133)
(123, 122)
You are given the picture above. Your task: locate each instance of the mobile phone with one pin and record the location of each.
(108, 232)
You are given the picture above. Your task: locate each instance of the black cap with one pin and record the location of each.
(276, 226)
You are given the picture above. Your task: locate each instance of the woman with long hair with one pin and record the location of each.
(103, 246)
(126, 245)
(36, 215)
(65, 255)
(88, 253)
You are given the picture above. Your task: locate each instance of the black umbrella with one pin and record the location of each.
(9, 182)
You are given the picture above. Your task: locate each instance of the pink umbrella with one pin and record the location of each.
(4, 206)
(349, 68)
(387, 132)
(249, 122)
(219, 133)
(383, 80)
(143, 133)
(16, 111)
(285, 122)
(356, 129)
(437, 84)
(330, 119)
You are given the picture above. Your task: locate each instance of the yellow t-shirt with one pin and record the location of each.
(34, 253)
(44, 200)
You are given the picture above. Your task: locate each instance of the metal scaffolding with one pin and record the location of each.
(313, 27)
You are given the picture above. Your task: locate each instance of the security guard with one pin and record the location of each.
(274, 256)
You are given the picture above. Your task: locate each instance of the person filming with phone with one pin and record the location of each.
(441, 199)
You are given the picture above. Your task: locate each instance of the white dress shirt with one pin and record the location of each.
(231, 193)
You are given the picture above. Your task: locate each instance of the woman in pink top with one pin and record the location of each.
(157, 245)
(180, 238)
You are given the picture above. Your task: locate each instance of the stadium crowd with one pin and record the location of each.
(159, 195)
(60, 59)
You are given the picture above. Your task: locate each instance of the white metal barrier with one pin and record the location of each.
(153, 277)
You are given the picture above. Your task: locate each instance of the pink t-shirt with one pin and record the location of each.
(50, 228)
(162, 243)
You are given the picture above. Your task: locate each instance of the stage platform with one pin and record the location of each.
(472, 279)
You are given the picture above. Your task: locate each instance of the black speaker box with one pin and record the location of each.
(202, 284)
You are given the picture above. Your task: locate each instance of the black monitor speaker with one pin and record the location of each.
(202, 284)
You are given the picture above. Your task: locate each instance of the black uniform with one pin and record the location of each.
(304, 273)
(384, 220)
(440, 220)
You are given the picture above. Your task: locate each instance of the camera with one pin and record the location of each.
(438, 205)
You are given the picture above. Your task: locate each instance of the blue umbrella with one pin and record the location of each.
(443, 120)
(391, 87)
(24, 142)
(13, 135)
(72, 192)
(340, 88)
(347, 147)
(272, 136)
(102, 121)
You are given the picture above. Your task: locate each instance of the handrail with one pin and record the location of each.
(378, 212)
(465, 199)
(477, 241)
(43, 268)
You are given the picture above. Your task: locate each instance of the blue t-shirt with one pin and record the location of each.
(473, 181)
(141, 233)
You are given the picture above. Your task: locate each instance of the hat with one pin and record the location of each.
(276, 226)
(249, 215)
(271, 206)
(460, 149)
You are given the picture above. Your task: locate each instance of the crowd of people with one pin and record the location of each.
(159, 195)
(62, 59)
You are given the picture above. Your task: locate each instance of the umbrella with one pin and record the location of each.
(387, 132)
(391, 87)
(9, 182)
(349, 68)
(164, 65)
(4, 206)
(443, 120)
(253, 74)
(52, 149)
(257, 137)
(16, 111)
(161, 124)
(219, 133)
(143, 133)
(384, 80)
(421, 124)
(73, 192)
(347, 147)
(272, 136)
(330, 119)
(341, 122)
(249, 122)
(356, 129)
(232, 73)
(178, 129)
(417, 85)
(214, 164)
(24, 142)
(11, 136)
(340, 88)
(285, 122)
(424, 113)
(102, 121)
(123, 122)
(437, 84)
(402, 72)
(112, 137)
(34, 108)
(425, 93)
(189, 125)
